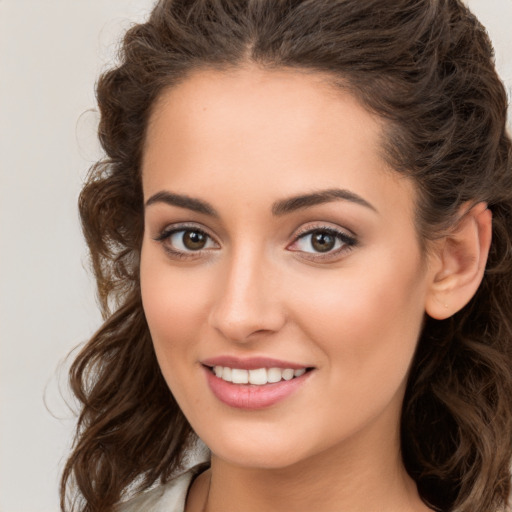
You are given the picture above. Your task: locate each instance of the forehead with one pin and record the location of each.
(292, 131)
(251, 99)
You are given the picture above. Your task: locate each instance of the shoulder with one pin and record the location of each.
(169, 497)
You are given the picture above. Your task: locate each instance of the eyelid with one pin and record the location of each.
(166, 233)
(311, 227)
(182, 226)
(348, 238)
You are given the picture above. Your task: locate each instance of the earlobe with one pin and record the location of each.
(460, 258)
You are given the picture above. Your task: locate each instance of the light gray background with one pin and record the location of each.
(51, 52)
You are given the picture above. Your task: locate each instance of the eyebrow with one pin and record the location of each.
(281, 207)
(182, 201)
(321, 197)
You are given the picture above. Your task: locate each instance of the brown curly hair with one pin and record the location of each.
(426, 67)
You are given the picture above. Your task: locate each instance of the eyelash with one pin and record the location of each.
(348, 242)
(167, 233)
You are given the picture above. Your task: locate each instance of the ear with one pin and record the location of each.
(458, 263)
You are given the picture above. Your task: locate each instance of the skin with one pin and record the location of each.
(241, 141)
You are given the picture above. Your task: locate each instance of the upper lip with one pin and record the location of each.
(251, 363)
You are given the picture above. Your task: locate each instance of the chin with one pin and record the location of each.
(273, 450)
(259, 459)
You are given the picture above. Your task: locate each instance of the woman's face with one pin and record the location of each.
(278, 243)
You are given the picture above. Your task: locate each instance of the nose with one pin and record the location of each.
(246, 304)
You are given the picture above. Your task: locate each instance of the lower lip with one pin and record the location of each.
(251, 396)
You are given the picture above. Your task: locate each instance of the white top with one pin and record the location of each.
(169, 497)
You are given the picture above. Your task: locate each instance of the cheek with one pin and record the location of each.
(173, 310)
(173, 307)
(367, 322)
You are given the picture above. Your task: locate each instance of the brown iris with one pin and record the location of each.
(322, 241)
(194, 240)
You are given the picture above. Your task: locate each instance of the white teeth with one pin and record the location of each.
(288, 374)
(274, 374)
(239, 376)
(226, 374)
(259, 376)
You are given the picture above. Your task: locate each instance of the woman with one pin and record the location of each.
(291, 234)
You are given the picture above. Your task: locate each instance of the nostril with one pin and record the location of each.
(246, 306)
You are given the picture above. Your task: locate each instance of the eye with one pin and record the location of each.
(320, 241)
(181, 241)
(190, 240)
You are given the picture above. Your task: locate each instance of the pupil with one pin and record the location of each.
(194, 240)
(322, 241)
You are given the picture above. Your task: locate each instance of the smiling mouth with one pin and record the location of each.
(258, 376)
(260, 383)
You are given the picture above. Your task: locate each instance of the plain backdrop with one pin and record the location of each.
(51, 52)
